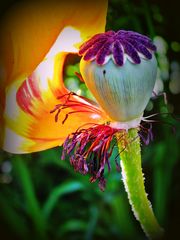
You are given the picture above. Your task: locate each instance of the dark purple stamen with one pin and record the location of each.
(90, 150)
(73, 101)
(117, 43)
(146, 134)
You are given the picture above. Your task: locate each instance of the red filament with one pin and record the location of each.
(90, 151)
(75, 104)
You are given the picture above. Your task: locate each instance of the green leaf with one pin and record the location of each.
(72, 225)
(31, 201)
(59, 191)
(13, 218)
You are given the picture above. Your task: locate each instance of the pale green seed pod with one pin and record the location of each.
(123, 92)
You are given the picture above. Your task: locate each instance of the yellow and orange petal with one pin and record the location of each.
(36, 39)
(29, 124)
(30, 28)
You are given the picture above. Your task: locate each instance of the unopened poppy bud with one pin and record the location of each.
(120, 70)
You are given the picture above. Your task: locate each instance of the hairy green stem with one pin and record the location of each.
(130, 152)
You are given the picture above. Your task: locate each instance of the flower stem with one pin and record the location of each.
(130, 152)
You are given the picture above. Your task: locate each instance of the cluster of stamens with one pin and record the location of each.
(78, 103)
(117, 45)
(90, 150)
(91, 146)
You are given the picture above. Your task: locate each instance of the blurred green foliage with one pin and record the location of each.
(42, 197)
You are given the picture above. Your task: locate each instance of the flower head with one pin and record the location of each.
(39, 112)
(120, 70)
(36, 37)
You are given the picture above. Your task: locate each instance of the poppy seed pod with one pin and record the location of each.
(120, 70)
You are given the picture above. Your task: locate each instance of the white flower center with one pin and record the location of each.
(127, 125)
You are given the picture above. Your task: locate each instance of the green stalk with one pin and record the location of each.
(130, 151)
(31, 201)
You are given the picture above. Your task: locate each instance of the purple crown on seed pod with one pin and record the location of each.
(118, 46)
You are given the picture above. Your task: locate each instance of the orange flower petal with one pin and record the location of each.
(29, 126)
(30, 28)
